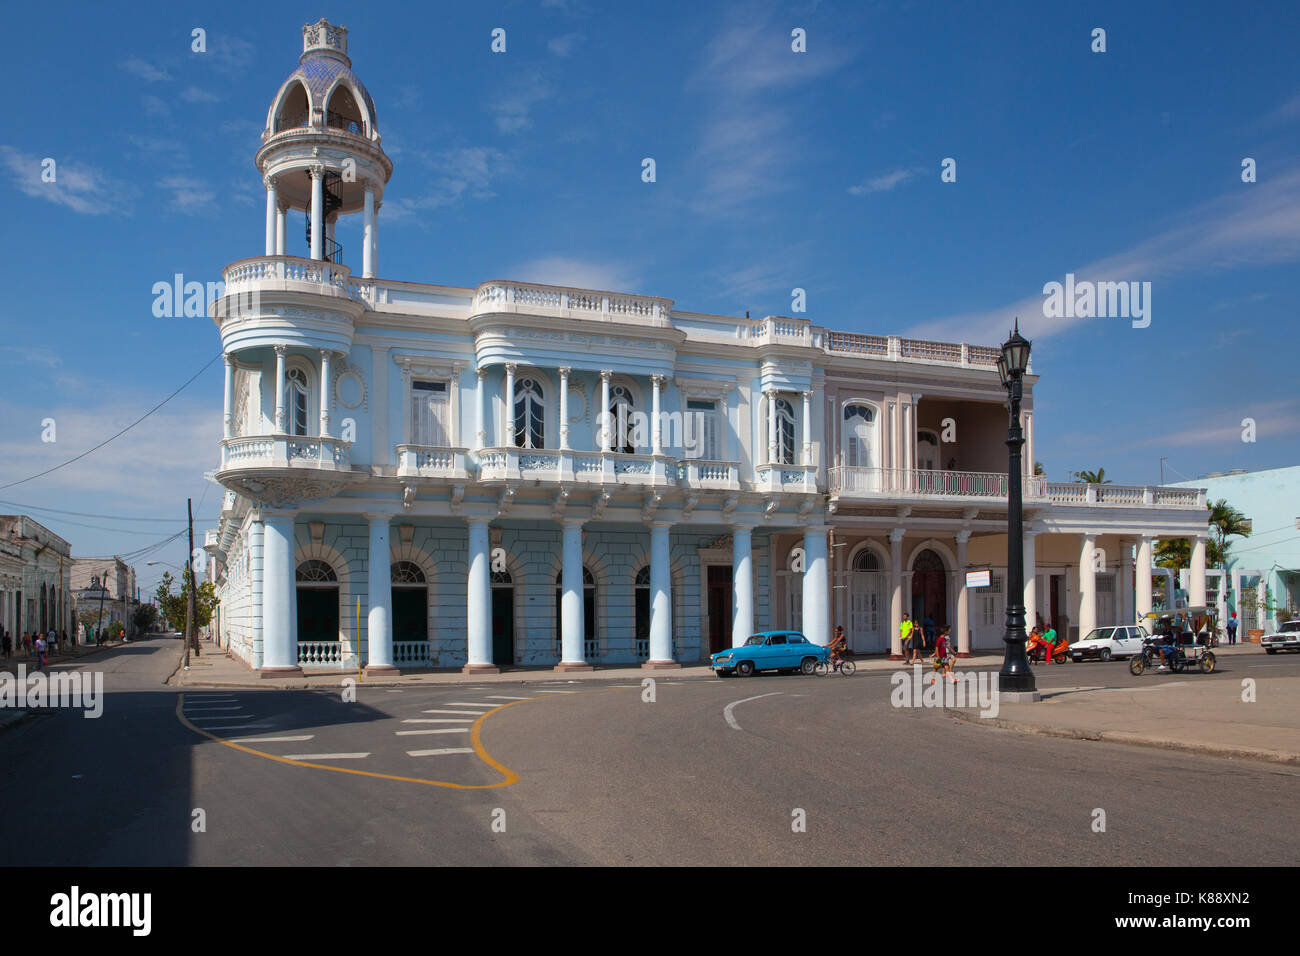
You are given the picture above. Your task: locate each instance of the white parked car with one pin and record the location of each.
(1285, 638)
(1103, 643)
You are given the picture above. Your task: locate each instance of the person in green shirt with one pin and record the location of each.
(906, 630)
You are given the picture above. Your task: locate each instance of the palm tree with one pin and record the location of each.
(1227, 522)
(1038, 468)
(1097, 477)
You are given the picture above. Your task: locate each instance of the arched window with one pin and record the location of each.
(927, 450)
(784, 432)
(343, 111)
(316, 571)
(859, 431)
(502, 578)
(591, 644)
(294, 109)
(620, 420)
(295, 400)
(407, 573)
(530, 414)
(866, 560)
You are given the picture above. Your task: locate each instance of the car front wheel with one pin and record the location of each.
(1105, 653)
(745, 669)
(808, 664)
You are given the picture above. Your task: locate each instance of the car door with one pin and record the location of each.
(1128, 640)
(776, 653)
(799, 649)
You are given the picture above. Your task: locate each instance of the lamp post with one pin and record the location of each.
(1015, 678)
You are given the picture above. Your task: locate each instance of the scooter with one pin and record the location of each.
(1037, 650)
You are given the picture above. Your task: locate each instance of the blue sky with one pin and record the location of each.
(775, 170)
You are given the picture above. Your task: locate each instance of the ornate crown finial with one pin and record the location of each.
(323, 35)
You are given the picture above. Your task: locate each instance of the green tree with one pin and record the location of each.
(173, 605)
(1097, 477)
(145, 616)
(1038, 468)
(1226, 522)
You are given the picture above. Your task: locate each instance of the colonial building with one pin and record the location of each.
(107, 584)
(35, 578)
(516, 473)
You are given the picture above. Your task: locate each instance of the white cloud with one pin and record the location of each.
(564, 45)
(882, 184)
(192, 94)
(189, 195)
(82, 189)
(144, 70)
(513, 108)
(460, 173)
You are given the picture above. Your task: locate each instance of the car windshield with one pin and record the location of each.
(1098, 634)
(1290, 626)
(756, 639)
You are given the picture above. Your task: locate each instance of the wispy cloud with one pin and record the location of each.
(1251, 225)
(513, 109)
(193, 94)
(461, 173)
(564, 45)
(145, 70)
(883, 184)
(189, 195)
(82, 189)
(578, 273)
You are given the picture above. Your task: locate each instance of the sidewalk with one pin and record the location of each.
(68, 656)
(215, 669)
(1187, 712)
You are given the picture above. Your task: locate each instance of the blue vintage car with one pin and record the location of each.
(769, 651)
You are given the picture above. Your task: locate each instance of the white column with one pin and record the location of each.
(368, 238)
(771, 425)
(478, 601)
(1124, 588)
(816, 614)
(656, 435)
(963, 595)
(326, 391)
(317, 211)
(564, 408)
(281, 414)
(1028, 460)
(661, 601)
(279, 630)
(1087, 585)
(508, 427)
(1144, 580)
(272, 203)
(572, 620)
(605, 425)
(1196, 590)
(480, 432)
(1030, 564)
(228, 417)
(281, 214)
(379, 628)
(742, 586)
(807, 428)
(895, 592)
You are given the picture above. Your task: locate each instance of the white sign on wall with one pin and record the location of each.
(978, 579)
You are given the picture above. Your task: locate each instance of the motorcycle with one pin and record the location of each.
(1037, 650)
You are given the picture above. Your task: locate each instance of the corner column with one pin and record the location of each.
(317, 211)
(605, 426)
(509, 423)
(279, 629)
(326, 405)
(379, 629)
(656, 433)
(228, 417)
(281, 214)
(771, 425)
(564, 407)
(816, 614)
(272, 209)
(661, 601)
(1143, 573)
(478, 602)
(1087, 585)
(963, 596)
(480, 431)
(368, 239)
(807, 428)
(1030, 564)
(895, 593)
(1196, 585)
(572, 620)
(281, 414)
(742, 586)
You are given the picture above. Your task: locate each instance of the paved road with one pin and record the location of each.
(590, 773)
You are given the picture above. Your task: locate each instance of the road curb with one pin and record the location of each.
(1127, 737)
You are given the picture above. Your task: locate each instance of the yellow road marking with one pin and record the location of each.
(510, 777)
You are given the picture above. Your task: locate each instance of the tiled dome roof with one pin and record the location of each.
(319, 69)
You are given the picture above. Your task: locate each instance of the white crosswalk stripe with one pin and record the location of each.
(437, 720)
(470, 703)
(325, 756)
(440, 751)
(432, 730)
(297, 738)
(245, 727)
(557, 692)
(453, 711)
(504, 697)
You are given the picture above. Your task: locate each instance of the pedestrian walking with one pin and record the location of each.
(27, 644)
(906, 630)
(7, 642)
(39, 647)
(943, 656)
(1232, 628)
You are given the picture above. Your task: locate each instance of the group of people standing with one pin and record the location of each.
(35, 645)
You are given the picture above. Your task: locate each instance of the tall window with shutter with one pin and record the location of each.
(429, 414)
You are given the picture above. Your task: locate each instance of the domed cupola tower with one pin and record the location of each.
(321, 150)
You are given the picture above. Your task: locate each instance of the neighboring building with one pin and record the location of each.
(475, 466)
(35, 577)
(110, 583)
(1267, 563)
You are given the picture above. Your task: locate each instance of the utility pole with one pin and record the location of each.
(191, 638)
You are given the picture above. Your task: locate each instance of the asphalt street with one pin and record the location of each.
(807, 770)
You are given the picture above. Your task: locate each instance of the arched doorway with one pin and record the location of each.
(930, 589)
(503, 619)
(318, 614)
(410, 603)
(868, 616)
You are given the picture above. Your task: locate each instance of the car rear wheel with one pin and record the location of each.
(807, 665)
(745, 669)
(1105, 654)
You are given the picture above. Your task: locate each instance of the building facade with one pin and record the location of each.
(108, 584)
(526, 474)
(35, 578)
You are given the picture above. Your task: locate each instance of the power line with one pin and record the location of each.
(119, 434)
(78, 514)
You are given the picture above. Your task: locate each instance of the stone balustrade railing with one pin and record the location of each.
(320, 652)
(572, 465)
(700, 473)
(246, 274)
(577, 303)
(430, 461)
(927, 483)
(285, 451)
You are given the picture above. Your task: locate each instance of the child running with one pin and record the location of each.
(943, 655)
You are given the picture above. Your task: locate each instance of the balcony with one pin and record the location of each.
(285, 451)
(569, 466)
(974, 486)
(709, 475)
(789, 479)
(431, 461)
(290, 274)
(571, 303)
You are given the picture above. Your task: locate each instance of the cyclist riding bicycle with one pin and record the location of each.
(838, 646)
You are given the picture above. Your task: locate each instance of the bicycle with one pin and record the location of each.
(845, 667)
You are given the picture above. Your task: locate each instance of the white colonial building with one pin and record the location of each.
(421, 475)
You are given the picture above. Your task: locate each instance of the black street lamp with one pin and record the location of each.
(1015, 676)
